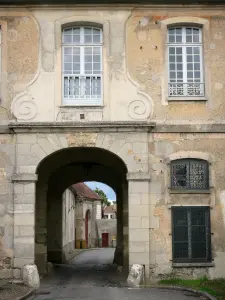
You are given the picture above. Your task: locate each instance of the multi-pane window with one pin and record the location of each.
(185, 62)
(190, 174)
(82, 66)
(191, 234)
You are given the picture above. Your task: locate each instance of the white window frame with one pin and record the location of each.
(184, 83)
(85, 100)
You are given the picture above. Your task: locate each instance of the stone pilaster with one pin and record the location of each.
(139, 217)
(24, 219)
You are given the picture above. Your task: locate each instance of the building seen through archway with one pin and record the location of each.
(60, 190)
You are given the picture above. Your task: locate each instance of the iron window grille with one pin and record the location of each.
(190, 174)
(191, 236)
(82, 65)
(185, 62)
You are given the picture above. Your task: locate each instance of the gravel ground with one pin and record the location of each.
(11, 291)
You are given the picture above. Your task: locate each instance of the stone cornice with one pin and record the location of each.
(111, 126)
(50, 127)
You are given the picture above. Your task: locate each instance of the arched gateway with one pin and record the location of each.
(60, 170)
(57, 159)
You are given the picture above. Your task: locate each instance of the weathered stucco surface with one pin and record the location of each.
(134, 54)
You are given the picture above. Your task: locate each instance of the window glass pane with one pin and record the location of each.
(171, 50)
(199, 251)
(171, 38)
(179, 175)
(88, 58)
(198, 233)
(96, 39)
(197, 66)
(196, 50)
(68, 30)
(76, 39)
(76, 51)
(96, 67)
(196, 39)
(96, 50)
(172, 58)
(172, 67)
(97, 58)
(181, 234)
(196, 58)
(189, 38)
(68, 50)
(88, 50)
(178, 50)
(180, 251)
(68, 58)
(76, 58)
(179, 67)
(172, 75)
(88, 39)
(88, 68)
(76, 68)
(88, 30)
(189, 50)
(179, 58)
(189, 67)
(67, 39)
(188, 30)
(198, 175)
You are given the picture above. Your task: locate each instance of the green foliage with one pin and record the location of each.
(214, 287)
(105, 200)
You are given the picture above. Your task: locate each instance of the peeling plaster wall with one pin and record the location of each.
(134, 65)
(161, 146)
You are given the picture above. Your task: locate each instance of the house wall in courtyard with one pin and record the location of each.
(69, 222)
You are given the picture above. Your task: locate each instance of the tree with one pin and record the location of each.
(105, 201)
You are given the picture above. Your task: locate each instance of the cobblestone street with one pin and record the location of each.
(91, 276)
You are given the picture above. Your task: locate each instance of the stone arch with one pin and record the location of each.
(118, 144)
(58, 171)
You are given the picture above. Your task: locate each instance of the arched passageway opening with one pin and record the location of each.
(61, 170)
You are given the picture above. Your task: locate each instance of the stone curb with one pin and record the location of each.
(27, 295)
(181, 288)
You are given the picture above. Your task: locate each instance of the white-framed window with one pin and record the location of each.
(185, 62)
(82, 66)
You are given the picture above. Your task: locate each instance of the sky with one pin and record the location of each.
(105, 188)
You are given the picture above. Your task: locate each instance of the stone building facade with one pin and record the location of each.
(128, 95)
(80, 212)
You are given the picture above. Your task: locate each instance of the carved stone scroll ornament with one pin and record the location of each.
(139, 109)
(23, 107)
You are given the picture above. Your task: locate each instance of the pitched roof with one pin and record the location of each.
(110, 209)
(83, 190)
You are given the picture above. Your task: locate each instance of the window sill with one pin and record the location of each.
(187, 99)
(193, 265)
(189, 191)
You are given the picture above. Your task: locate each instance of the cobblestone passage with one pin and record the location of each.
(91, 276)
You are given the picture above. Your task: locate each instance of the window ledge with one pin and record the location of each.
(189, 191)
(193, 265)
(173, 99)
